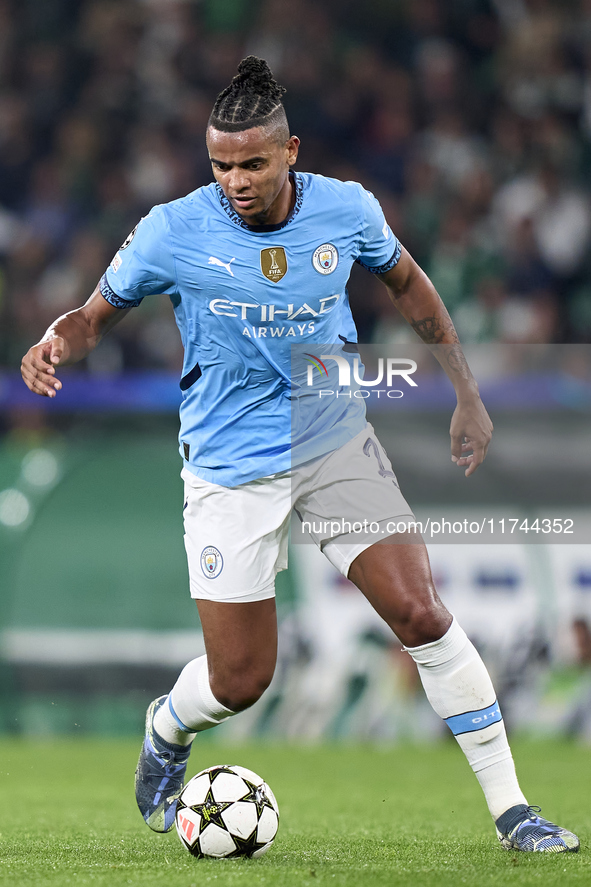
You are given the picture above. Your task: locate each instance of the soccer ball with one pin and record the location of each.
(226, 812)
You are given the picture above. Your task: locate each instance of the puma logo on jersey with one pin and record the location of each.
(214, 261)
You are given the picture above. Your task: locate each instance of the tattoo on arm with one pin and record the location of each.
(433, 330)
(457, 362)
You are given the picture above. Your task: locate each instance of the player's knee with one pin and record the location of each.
(239, 689)
(421, 621)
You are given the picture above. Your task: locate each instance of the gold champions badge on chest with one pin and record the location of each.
(274, 263)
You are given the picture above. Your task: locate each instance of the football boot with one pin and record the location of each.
(159, 775)
(520, 828)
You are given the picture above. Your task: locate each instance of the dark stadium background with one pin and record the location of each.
(471, 121)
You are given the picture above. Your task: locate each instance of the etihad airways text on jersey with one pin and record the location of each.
(262, 313)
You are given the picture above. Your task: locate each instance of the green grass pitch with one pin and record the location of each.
(350, 815)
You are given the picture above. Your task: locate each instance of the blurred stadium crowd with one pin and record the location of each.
(469, 119)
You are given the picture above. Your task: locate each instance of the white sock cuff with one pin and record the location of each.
(496, 757)
(212, 708)
(192, 702)
(443, 650)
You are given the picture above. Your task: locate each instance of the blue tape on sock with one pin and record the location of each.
(470, 721)
(177, 719)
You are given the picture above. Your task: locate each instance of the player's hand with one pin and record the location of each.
(470, 431)
(38, 366)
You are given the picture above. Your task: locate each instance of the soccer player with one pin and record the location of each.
(254, 263)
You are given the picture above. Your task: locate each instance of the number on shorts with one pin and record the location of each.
(370, 447)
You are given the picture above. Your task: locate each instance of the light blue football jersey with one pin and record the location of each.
(242, 297)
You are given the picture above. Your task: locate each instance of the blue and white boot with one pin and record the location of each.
(520, 828)
(159, 775)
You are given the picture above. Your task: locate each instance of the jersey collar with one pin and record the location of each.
(258, 229)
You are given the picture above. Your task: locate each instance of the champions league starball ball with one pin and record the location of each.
(226, 812)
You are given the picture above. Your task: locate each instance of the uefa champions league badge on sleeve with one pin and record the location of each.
(129, 238)
(326, 258)
(212, 562)
(117, 260)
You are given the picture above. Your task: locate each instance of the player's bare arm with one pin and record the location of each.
(419, 303)
(69, 339)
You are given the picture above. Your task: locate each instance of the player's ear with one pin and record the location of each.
(292, 146)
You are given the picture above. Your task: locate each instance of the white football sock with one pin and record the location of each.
(460, 690)
(191, 707)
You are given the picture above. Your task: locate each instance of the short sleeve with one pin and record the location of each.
(143, 265)
(379, 249)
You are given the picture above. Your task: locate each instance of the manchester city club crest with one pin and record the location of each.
(212, 562)
(325, 258)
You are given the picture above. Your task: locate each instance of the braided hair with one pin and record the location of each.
(253, 98)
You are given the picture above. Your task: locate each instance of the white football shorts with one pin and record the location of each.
(236, 537)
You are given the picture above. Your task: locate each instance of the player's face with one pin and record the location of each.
(252, 169)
